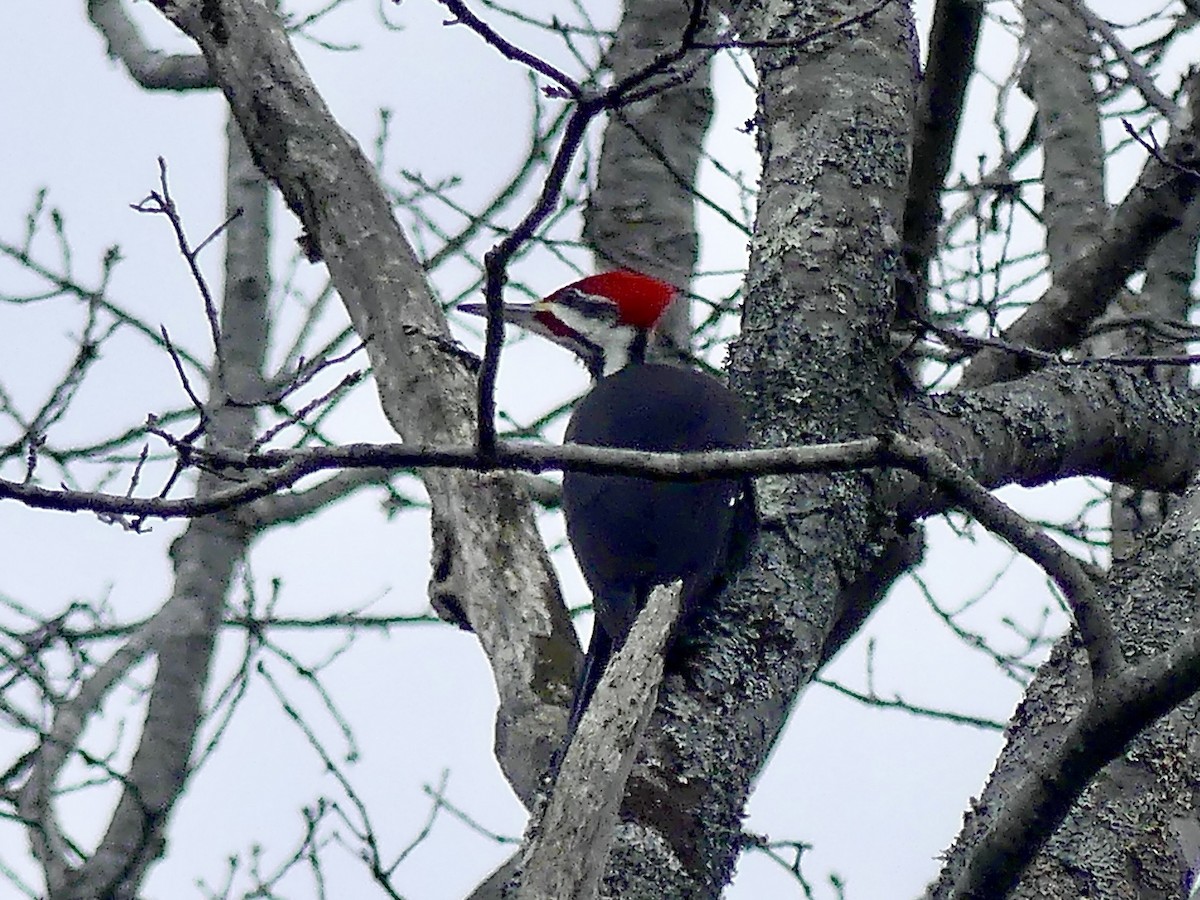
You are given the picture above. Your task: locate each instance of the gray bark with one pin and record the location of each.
(565, 853)
(1086, 284)
(150, 68)
(1118, 839)
(1102, 420)
(182, 634)
(953, 40)
(834, 120)
(489, 561)
(1164, 299)
(1058, 79)
(641, 214)
(833, 125)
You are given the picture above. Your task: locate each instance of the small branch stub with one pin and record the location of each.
(566, 857)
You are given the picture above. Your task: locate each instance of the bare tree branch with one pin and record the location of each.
(424, 386)
(1096, 420)
(288, 508)
(1135, 72)
(464, 16)
(1110, 718)
(183, 632)
(952, 43)
(1056, 423)
(150, 68)
(567, 853)
(286, 467)
(1058, 78)
(1093, 623)
(1083, 288)
(641, 212)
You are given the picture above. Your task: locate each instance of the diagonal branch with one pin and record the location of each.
(494, 567)
(1136, 73)
(294, 506)
(1084, 287)
(183, 633)
(507, 49)
(1103, 724)
(497, 260)
(152, 69)
(1091, 620)
(569, 848)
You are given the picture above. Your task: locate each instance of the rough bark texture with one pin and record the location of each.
(833, 124)
(1102, 420)
(1117, 840)
(565, 854)
(1164, 299)
(488, 558)
(834, 143)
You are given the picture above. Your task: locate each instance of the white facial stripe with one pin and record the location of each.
(599, 309)
(613, 340)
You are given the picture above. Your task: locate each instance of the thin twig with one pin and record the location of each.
(873, 699)
(1136, 73)
(1091, 619)
(464, 16)
(161, 203)
(183, 378)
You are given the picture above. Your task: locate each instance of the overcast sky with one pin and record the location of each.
(878, 794)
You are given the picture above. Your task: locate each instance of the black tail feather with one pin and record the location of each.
(599, 652)
(621, 609)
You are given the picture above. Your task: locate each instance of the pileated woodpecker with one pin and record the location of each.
(631, 534)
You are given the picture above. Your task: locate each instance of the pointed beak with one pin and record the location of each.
(537, 318)
(541, 318)
(523, 315)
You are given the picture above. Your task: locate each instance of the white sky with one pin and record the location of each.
(878, 794)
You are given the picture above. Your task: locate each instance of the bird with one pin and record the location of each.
(630, 534)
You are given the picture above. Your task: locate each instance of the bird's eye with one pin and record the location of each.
(599, 309)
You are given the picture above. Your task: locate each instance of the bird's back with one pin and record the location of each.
(629, 533)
